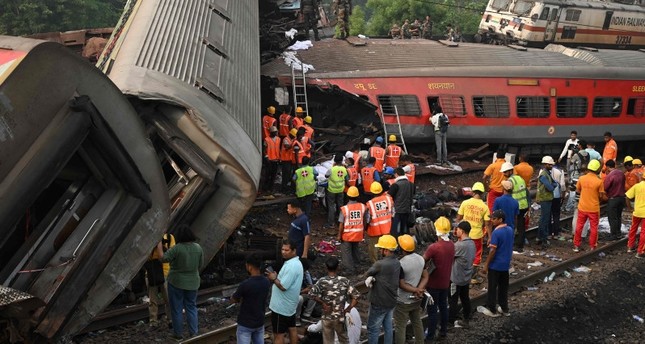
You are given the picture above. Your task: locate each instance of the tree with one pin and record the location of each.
(357, 21)
(24, 17)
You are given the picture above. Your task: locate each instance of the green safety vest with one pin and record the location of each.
(336, 181)
(519, 191)
(305, 182)
(544, 195)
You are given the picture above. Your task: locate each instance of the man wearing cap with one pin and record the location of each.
(521, 194)
(631, 178)
(442, 254)
(268, 121)
(287, 160)
(392, 153)
(509, 205)
(388, 178)
(497, 265)
(638, 168)
(412, 285)
(353, 173)
(637, 194)
(591, 190)
(379, 218)
(271, 158)
(377, 152)
(369, 174)
(284, 124)
(461, 273)
(305, 180)
(614, 185)
(475, 211)
(383, 278)
(544, 197)
(298, 120)
(493, 177)
(337, 177)
(309, 130)
(401, 191)
(351, 224)
(408, 167)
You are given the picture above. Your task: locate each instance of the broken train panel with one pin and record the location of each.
(82, 196)
(192, 70)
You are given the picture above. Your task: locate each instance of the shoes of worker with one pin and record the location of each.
(640, 255)
(462, 324)
(176, 337)
(630, 250)
(487, 312)
(576, 249)
(500, 311)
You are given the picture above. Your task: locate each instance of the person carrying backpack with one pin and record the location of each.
(440, 122)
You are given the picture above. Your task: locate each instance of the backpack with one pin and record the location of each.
(444, 122)
(584, 159)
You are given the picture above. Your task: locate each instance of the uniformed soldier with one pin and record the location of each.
(309, 10)
(342, 9)
(405, 30)
(426, 31)
(395, 31)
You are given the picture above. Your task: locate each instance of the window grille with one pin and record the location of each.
(571, 107)
(407, 105)
(453, 105)
(607, 106)
(636, 106)
(533, 107)
(491, 106)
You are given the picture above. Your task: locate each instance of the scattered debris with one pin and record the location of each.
(582, 268)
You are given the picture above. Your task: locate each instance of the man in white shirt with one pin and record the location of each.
(569, 146)
(440, 123)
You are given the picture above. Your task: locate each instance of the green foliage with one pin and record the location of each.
(24, 17)
(465, 14)
(357, 23)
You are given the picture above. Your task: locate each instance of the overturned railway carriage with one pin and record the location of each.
(601, 24)
(93, 174)
(491, 93)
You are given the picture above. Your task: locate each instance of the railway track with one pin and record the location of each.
(225, 334)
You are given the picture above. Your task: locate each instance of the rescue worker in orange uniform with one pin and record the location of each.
(631, 178)
(380, 210)
(352, 220)
(284, 122)
(610, 152)
(309, 131)
(307, 143)
(369, 174)
(392, 153)
(638, 168)
(408, 167)
(271, 158)
(378, 153)
(287, 159)
(298, 120)
(353, 175)
(493, 177)
(268, 121)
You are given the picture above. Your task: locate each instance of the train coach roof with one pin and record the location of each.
(333, 58)
(606, 5)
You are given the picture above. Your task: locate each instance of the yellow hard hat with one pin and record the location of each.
(594, 165)
(637, 162)
(271, 110)
(442, 225)
(293, 132)
(299, 109)
(478, 187)
(387, 242)
(376, 188)
(308, 119)
(406, 242)
(352, 191)
(392, 138)
(628, 159)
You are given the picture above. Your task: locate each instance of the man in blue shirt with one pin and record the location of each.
(252, 295)
(508, 204)
(497, 265)
(285, 294)
(299, 229)
(593, 153)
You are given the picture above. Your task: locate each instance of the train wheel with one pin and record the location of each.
(478, 38)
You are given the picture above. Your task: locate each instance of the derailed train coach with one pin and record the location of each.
(94, 171)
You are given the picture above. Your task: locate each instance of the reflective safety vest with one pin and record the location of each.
(393, 154)
(267, 122)
(286, 150)
(309, 131)
(272, 148)
(412, 173)
(305, 182)
(544, 195)
(380, 215)
(353, 225)
(297, 122)
(352, 172)
(519, 191)
(306, 145)
(379, 154)
(300, 151)
(283, 130)
(336, 181)
(357, 160)
(367, 174)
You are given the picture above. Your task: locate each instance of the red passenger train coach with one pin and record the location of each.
(496, 94)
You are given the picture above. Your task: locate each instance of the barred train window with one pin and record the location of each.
(607, 106)
(453, 105)
(571, 107)
(545, 14)
(569, 32)
(636, 106)
(573, 15)
(533, 107)
(406, 105)
(491, 106)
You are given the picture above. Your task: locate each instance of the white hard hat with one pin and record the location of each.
(507, 166)
(548, 160)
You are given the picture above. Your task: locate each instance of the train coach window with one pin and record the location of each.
(545, 14)
(636, 106)
(607, 107)
(569, 32)
(573, 15)
(533, 107)
(571, 107)
(406, 105)
(452, 105)
(491, 106)
(554, 14)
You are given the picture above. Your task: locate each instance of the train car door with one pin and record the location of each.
(551, 27)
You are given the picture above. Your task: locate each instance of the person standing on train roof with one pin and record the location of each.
(440, 122)
(402, 192)
(369, 174)
(408, 167)
(392, 153)
(476, 212)
(546, 185)
(591, 190)
(493, 177)
(614, 185)
(593, 153)
(377, 152)
(268, 121)
(569, 147)
(610, 152)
